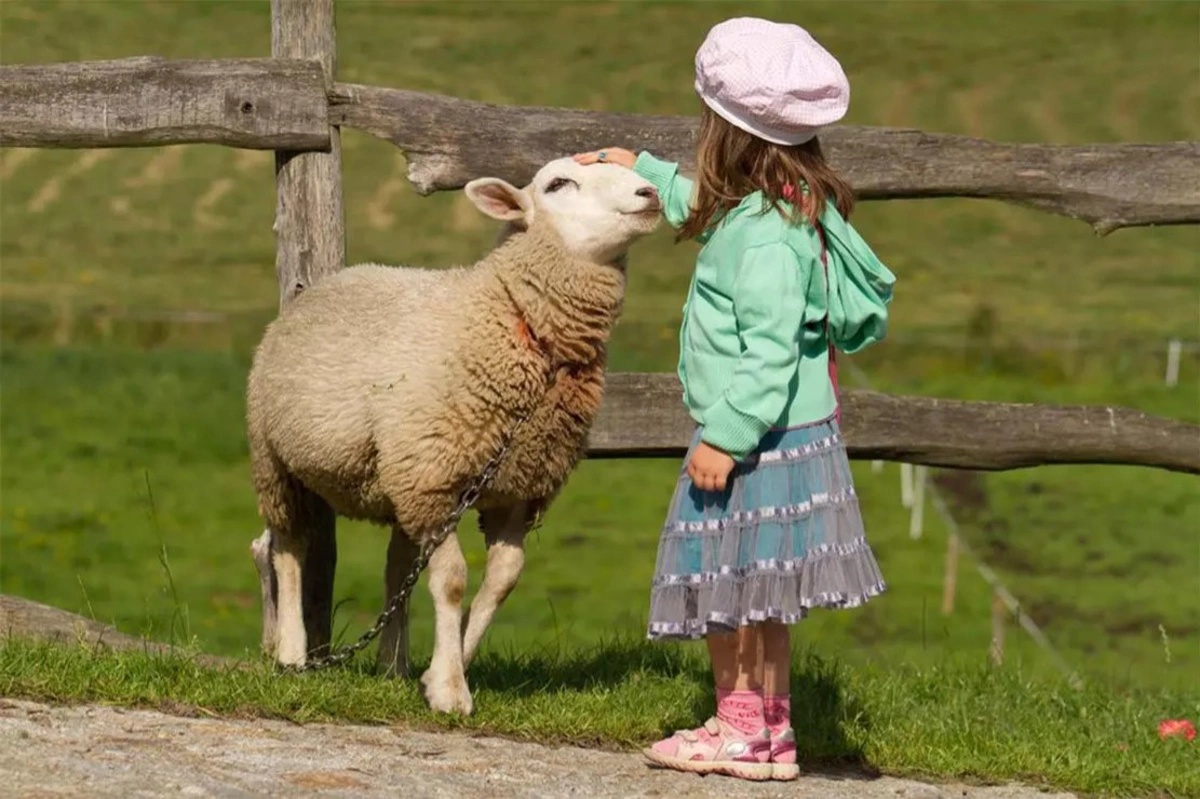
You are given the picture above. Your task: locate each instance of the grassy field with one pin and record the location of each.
(123, 476)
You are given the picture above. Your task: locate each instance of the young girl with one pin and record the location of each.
(764, 523)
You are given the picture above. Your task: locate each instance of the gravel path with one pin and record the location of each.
(98, 751)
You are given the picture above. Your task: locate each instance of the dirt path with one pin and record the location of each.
(101, 751)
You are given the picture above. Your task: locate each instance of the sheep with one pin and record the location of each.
(384, 391)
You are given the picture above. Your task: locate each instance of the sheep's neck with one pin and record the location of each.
(568, 304)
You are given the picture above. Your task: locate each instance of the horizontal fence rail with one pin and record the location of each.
(449, 141)
(643, 416)
(286, 104)
(252, 103)
(290, 104)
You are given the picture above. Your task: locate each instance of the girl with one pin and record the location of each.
(764, 523)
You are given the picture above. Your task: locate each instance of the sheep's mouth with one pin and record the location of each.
(650, 210)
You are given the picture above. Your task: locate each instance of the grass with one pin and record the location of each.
(957, 721)
(124, 487)
(111, 429)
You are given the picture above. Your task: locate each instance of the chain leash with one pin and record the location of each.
(468, 498)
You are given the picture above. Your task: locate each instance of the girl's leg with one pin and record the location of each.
(738, 671)
(737, 659)
(777, 702)
(777, 669)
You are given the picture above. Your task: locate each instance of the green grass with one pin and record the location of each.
(113, 454)
(124, 486)
(956, 721)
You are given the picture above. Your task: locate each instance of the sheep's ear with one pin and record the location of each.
(498, 199)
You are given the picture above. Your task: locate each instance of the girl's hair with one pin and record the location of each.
(731, 163)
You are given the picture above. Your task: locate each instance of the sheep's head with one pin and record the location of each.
(597, 210)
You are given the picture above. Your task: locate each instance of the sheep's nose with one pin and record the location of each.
(651, 194)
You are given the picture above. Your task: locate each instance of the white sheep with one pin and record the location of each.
(385, 390)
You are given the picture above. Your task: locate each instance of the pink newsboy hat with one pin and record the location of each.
(771, 79)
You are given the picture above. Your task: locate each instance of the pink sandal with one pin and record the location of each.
(716, 748)
(783, 756)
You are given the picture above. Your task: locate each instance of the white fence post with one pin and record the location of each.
(906, 485)
(917, 521)
(1174, 351)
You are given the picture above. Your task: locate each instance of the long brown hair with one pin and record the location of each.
(731, 164)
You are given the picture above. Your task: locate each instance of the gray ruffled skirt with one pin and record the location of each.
(784, 537)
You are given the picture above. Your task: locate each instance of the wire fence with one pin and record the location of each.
(914, 487)
(66, 324)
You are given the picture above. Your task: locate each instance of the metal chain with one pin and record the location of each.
(468, 498)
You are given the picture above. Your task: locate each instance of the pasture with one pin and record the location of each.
(134, 284)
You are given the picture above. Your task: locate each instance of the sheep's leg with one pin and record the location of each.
(445, 682)
(504, 530)
(291, 513)
(260, 550)
(319, 565)
(392, 658)
(288, 551)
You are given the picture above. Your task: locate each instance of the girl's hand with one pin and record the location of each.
(609, 155)
(709, 468)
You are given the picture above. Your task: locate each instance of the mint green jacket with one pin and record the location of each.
(753, 349)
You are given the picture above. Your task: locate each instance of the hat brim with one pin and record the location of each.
(789, 138)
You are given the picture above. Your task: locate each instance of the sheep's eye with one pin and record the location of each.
(559, 183)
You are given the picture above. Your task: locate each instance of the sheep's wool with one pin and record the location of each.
(380, 388)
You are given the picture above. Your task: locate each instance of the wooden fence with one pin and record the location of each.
(292, 104)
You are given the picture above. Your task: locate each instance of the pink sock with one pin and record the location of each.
(778, 712)
(742, 710)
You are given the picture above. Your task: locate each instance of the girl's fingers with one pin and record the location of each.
(613, 155)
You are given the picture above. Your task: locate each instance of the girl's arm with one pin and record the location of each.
(674, 190)
(768, 301)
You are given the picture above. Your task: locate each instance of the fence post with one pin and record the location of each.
(950, 578)
(998, 613)
(916, 521)
(1174, 350)
(310, 243)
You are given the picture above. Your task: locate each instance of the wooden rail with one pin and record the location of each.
(289, 104)
(643, 416)
(25, 619)
(449, 141)
(253, 103)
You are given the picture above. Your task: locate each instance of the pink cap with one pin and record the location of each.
(771, 79)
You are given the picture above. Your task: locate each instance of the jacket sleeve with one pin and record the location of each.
(674, 189)
(768, 302)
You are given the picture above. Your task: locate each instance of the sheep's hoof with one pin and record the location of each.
(290, 655)
(446, 694)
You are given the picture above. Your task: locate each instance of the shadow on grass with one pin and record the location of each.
(822, 707)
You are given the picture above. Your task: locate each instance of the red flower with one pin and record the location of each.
(1175, 727)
